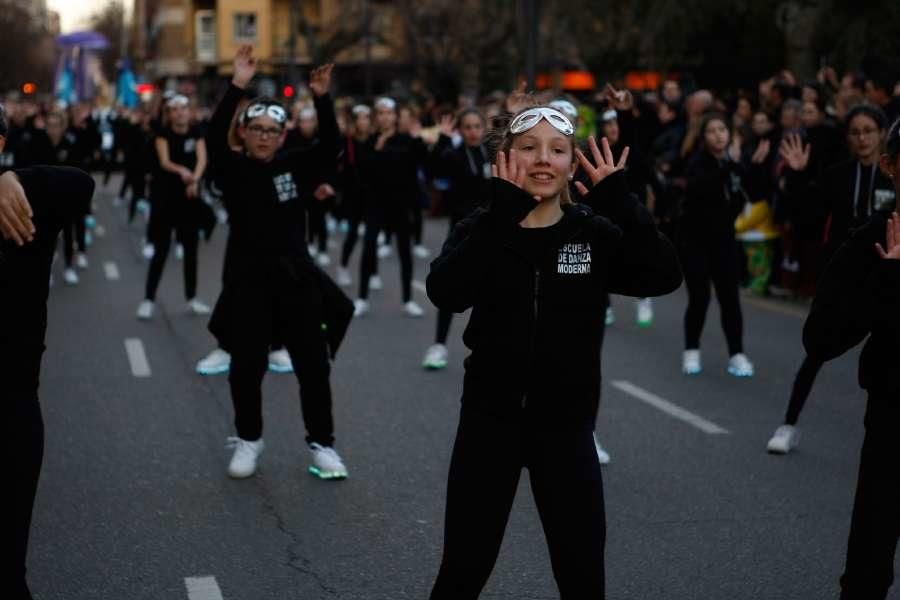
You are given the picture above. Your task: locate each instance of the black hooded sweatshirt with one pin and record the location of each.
(537, 296)
(858, 297)
(56, 196)
(270, 284)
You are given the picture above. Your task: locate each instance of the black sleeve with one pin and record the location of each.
(645, 262)
(56, 192)
(329, 138)
(842, 311)
(217, 148)
(885, 280)
(461, 270)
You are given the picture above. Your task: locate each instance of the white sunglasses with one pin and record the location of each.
(532, 116)
(274, 111)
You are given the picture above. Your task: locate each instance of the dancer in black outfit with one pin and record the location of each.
(715, 196)
(845, 196)
(534, 268)
(35, 204)
(356, 153)
(181, 161)
(272, 291)
(857, 299)
(135, 140)
(392, 173)
(468, 172)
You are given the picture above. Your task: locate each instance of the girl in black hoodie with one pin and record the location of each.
(857, 299)
(468, 171)
(535, 269)
(714, 198)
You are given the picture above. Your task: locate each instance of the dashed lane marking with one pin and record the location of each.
(202, 588)
(137, 358)
(111, 270)
(670, 408)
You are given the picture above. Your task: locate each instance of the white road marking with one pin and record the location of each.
(111, 270)
(134, 348)
(202, 588)
(671, 409)
(418, 285)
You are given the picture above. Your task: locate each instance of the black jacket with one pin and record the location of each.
(56, 196)
(537, 310)
(272, 291)
(715, 196)
(468, 172)
(858, 297)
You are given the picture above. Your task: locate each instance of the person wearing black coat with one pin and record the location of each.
(42, 199)
(844, 197)
(272, 291)
(714, 197)
(467, 171)
(857, 299)
(353, 197)
(392, 173)
(534, 269)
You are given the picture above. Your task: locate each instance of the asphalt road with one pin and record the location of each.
(134, 501)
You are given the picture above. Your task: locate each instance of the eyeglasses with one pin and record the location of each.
(533, 116)
(263, 132)
(274, 111)
(862, 132)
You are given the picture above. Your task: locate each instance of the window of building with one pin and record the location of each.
(245, 27)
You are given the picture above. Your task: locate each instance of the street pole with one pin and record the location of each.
(531, 30)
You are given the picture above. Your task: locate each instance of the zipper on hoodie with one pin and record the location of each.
(537, 290)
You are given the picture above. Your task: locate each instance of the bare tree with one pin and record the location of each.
(110, 21)
(26, 46)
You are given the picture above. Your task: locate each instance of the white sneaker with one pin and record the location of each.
(216, 362)
(326, 463)
(145, 310)
(81, 261)
(280, 361)
(384, 251)
(148, 251)
(313, 251)
(375, 283)
(610, 316)
(785, 439)
(602, 455)
(197, 307)
(644, 312)
(420, 251)
(243, 462)
(70, 277)
(323, 260)
(179, 252)
(412, 309)
(740, 366)
(360, 307)
(435, 358)
(344, 279)
(690, 362)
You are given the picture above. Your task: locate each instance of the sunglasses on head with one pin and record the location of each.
(275, 112)
(177, 100)
(531, 117)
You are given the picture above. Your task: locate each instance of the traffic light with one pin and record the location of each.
(288, 91)
(29, 88)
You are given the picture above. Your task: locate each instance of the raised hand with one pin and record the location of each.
(445, 125)
(508, 169)
(244, 66)
(606, 164)
(761, 152)
(795, 154)
(518, 98)
(15, 211)
(320, 79)
(618, 99)
(893, 239)
(323, 192)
